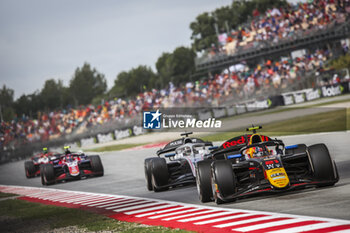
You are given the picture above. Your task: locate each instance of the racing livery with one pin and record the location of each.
(182, 155)
(70, 166)
(32, 167)
(254, 163)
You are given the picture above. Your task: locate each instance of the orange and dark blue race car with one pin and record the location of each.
(253, 163)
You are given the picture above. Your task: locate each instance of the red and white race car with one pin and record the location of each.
(32, 167)
(70, 166)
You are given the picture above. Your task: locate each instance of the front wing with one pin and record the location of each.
(266, 188)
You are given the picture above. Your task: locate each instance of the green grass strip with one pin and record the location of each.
(22, 216)
(337, 120)
(5, 195)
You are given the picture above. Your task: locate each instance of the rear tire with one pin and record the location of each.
(203, 179)
(324, 167)
(148, 173)
(160, 174)
(96, 165)
(223, 180)
(29, 169)
(47, 174)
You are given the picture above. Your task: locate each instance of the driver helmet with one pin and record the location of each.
(45, 151)
(187, 151)
(256, 151)
(66, 150)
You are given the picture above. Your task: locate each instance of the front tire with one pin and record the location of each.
(148, 173)
(223, 180)
(29, 169)
(47, 174)
(96, 165)
(160, 174)
(324, 168)
(203, 180)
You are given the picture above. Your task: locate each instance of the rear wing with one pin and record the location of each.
(171, 146)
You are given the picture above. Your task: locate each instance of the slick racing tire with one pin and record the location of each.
(203, 170)
(160, 174)
(29, 168)
(96, 165)
(42, 174)
(324, 168)
(148, 173)
(47, 174)
(223, 180)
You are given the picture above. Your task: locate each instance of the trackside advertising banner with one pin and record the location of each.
(336, 89)
(315, 93)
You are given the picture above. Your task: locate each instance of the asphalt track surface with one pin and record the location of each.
(124, 175)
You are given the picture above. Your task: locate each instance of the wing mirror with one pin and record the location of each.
(169, 155)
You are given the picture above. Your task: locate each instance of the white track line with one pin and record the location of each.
(204, 217)
(37, 192)
(115, 203)
(175, 213)
(65, 196)
(149, 209)
(48, 196)
(316, 226)
(113, 199)
(344, 231)
(79, 199)
(270, 224)
(42, 194)
(110, 206)
(59, 196)
(224, 218)
(160, 212)
(189, 215)
(252, 220)
(137, 207)
(97, 201)
(90, 200)
(129, 204)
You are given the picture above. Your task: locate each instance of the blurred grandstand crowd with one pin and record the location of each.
(287, 23)
(235, 83)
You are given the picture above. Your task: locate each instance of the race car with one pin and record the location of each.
(32, 167)
(252, 164)
(180, 168)
(70, 166)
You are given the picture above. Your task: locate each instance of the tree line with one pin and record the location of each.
(89, 86)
